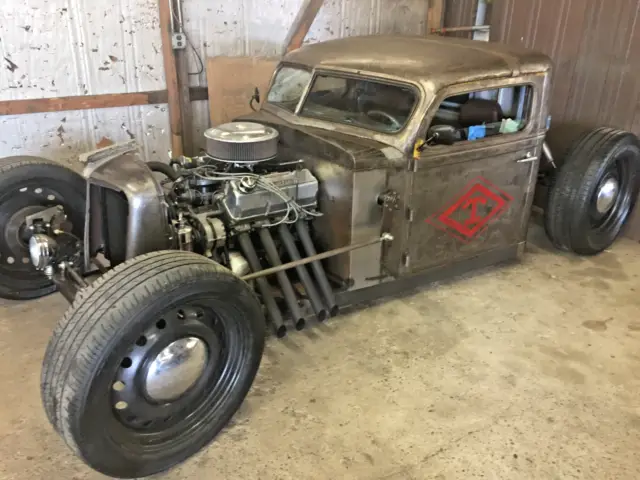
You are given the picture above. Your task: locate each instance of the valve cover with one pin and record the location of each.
(245, 200)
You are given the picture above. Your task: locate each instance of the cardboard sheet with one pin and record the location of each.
(232, 81)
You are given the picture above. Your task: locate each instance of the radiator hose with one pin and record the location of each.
(165, 169)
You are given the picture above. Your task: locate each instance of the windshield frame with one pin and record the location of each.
(305, 90)
(340, 73)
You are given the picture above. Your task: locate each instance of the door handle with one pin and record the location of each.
(529, 158)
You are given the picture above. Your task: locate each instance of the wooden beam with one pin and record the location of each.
(472, 28)
(171, 77)
(197, 94)
(435, 16)
(61, 104)
(302, 23)
(88, 102)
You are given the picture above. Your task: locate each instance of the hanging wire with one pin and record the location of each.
(190, 43)
(293, 207)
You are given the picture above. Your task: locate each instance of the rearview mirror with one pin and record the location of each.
(255, 98)
(442, 135)
(256, 94)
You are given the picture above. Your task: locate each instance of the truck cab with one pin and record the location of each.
(446, 135)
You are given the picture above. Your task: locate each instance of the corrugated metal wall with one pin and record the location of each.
(74, 47)
(51, 48)
(595, 45)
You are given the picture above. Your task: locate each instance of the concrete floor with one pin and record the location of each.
(522, 372)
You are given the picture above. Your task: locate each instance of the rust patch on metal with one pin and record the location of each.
(104, 142)
(12, 67)
(60, 134)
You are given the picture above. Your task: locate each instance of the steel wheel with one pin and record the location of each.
(151, 361)
(594, 191)
(611, 200)
(27, 187)
(180, 368)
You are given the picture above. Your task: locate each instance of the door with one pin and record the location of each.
(473, 193)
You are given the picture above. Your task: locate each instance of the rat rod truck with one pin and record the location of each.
(373, 165)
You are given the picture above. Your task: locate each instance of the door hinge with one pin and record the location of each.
(406, 260)
(409, 214)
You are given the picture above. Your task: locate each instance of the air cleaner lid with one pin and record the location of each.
(241, 132)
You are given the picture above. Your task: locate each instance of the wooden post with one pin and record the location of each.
(435, 16)
(301, 25)
(171, 74)
(182, 66)
(185, 102)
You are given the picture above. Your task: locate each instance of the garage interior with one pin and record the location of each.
(522, 371)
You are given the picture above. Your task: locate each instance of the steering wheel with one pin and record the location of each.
(391, 120)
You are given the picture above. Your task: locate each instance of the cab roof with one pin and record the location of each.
(432, 61)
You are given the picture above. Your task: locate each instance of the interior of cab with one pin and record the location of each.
(360, 102)
(480, 114)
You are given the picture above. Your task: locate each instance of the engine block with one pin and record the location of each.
(247, 198)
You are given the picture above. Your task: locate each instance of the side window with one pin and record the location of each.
(476, 115)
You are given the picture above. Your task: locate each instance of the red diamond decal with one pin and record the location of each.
(469, 215)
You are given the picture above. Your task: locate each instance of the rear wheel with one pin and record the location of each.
(594, 192)
(151, 361)
(29, 185)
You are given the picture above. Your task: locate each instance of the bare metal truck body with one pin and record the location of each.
(374, 164)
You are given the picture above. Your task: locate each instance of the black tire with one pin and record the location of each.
(29, 184)
(103, 328)
(572, 221)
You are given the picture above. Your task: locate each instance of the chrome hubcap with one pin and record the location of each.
(173, 364)
(176, 369)
(607, 194)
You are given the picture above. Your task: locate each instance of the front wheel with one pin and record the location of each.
(29, 185)
(594, 192)
(151, 361)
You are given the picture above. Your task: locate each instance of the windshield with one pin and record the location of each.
(288, 87)
(364, 103)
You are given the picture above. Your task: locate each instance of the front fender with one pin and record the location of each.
(117, 175)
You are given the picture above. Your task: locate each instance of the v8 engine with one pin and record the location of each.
(239, 185)
(239, 204)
